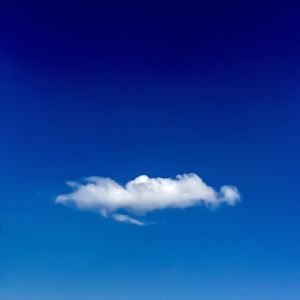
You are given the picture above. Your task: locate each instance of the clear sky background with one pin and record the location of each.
(124, 90)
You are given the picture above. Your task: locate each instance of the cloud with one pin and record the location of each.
(127, 219)
(143, 195)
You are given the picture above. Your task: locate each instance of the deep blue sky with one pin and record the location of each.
(127, 90)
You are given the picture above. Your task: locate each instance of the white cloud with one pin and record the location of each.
(127, 219)
(143, 194)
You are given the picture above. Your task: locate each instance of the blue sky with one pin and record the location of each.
(122, 91)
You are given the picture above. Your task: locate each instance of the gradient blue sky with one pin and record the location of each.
(127, 90)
